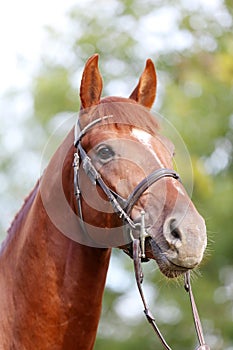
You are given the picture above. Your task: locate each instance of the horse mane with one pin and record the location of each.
(24, 208)
(122, 111)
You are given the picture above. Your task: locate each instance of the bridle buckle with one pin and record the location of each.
(142, 235)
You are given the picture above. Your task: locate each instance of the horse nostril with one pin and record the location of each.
(175, 232)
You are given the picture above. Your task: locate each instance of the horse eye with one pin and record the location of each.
(105, 153)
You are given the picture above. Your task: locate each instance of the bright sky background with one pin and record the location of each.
(22, 34)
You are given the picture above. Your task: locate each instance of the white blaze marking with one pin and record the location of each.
(145, 139)
(177, 186)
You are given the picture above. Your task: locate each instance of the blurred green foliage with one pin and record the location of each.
(53, 93)
(192, 47)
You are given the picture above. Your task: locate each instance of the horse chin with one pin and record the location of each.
(168, 268)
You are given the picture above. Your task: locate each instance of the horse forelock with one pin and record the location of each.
(122, 111)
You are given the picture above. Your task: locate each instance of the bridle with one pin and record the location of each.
(122, 207)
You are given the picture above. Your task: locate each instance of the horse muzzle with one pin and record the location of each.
(180, 246)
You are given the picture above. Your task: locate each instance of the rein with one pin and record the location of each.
(123, 207)
(149, 316)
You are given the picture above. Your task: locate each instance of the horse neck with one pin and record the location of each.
(52, 286)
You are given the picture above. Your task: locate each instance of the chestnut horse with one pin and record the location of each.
(55, 258)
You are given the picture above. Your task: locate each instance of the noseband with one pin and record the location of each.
(123, 207)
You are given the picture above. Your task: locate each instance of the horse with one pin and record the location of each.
(113, 181)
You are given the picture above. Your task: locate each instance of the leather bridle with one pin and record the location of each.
(122, 207)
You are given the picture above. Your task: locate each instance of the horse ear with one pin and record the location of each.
(91, 84)
(145, 91)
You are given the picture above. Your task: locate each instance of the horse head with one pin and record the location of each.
(121, 139)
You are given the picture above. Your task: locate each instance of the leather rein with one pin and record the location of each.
(123, 208)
